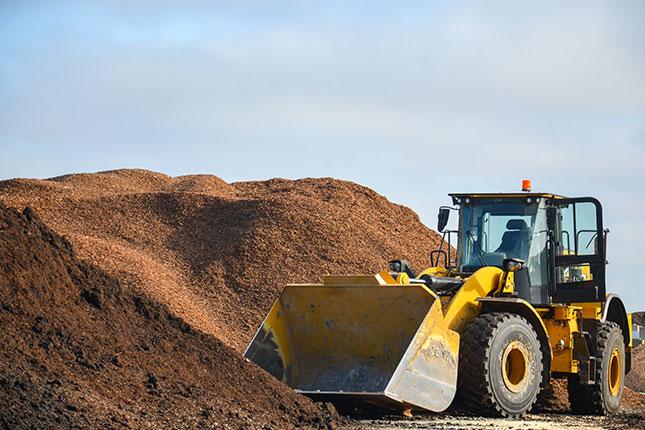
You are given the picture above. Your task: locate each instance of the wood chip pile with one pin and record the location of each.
(219, 254)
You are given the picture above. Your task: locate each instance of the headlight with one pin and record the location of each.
(513, 264)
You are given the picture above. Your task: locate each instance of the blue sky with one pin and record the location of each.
(414, 100)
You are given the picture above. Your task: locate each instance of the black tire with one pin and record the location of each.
(485, 385)
(602, 397)
(546, 397)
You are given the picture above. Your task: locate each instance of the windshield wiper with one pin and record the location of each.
(480, 254)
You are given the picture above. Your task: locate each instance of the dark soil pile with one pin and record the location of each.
(219, 254)
(79, 350)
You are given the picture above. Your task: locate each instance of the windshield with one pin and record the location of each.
(491, 230)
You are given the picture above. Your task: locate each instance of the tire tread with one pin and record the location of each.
(588, 399)
(474, 385)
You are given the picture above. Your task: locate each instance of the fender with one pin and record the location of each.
(523, 309)
(614, 311)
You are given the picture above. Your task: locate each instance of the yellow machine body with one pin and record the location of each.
(391, 341)
(369, 339)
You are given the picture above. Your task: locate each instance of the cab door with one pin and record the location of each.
(577, 252)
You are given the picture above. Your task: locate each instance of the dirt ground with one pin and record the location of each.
(530, 422)
(556, 415)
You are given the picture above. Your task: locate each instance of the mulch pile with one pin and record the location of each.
(219, 254)
(80, 350)
(633, 393)
(636, 378)
(558, 399)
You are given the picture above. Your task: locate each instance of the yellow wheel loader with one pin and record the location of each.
(521, 301)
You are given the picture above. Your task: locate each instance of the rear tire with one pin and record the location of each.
(500, 365)
(602, 397)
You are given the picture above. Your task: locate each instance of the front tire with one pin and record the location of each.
(604, 395)
(500, 365)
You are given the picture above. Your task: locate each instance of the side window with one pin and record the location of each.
(586, 229)
(578, 274)
(578, 237)
(578, 229)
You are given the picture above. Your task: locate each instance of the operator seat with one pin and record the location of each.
(515, 240)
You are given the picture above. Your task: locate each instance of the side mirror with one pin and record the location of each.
(444, 214)
(551, 214)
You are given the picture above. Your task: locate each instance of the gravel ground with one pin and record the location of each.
(533, 422)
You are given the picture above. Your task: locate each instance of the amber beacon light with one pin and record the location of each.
(526, 185)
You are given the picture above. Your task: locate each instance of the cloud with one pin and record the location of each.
(415, 100)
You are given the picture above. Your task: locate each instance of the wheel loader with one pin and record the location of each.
(521, 300)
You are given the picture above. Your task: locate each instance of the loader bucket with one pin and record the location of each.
(358, 343)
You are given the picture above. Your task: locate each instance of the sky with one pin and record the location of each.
(412, 99)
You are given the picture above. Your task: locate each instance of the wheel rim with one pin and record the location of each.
(615, 372)
(515, 366)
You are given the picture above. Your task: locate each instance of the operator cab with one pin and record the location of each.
(492, 230)
(554, 238)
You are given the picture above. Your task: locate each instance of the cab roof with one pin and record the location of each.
(521, 195)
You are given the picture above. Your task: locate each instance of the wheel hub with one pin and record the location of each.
(515, 365)
(615, 372)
